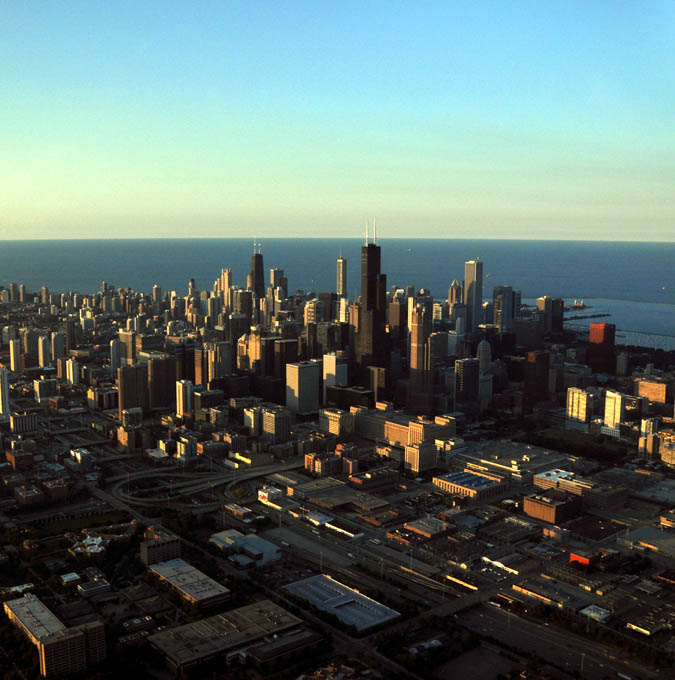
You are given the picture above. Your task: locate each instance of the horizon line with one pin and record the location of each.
(329, 238)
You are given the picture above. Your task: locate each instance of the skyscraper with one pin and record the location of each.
(600, 351)
(419, 390)
(5, 409)
(467, 381)
(132, 387)
(15, 356)
(371, 341)
(341, 277)
(503, 311)
(257, 274)
(44, 351)
(473, 292)
(184, 398)
(454, 292)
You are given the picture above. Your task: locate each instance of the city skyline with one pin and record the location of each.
(501, 121)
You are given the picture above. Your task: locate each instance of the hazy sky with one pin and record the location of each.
(510, 119)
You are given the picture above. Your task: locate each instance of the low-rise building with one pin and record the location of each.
(193, 585)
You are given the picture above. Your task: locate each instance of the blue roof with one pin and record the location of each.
(468, 479)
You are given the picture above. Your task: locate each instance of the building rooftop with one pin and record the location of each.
(347, 604)
(468, 479)
(35, 616)
(215, 635)
(192, 583)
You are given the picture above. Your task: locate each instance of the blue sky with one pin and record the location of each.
(490, 119)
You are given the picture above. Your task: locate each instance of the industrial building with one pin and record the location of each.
(552, 506)
(195, 643)
(470, 484)
(348, 605)
(192, 584)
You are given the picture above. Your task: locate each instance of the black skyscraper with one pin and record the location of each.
(257, 275)
(371, 341)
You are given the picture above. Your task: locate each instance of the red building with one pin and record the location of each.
(601, 347)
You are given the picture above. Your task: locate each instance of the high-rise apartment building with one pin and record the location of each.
(58, 345)
(473, 293)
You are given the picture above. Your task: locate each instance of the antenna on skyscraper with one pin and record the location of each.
(374, 231)
(366, 232)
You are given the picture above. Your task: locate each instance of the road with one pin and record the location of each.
(560, 647)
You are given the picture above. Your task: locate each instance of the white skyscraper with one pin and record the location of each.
(473, 292)
(4, 394)
(184, 398)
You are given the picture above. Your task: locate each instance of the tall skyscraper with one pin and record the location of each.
(600, 351)
(473, 292)
(225, 286)
(454, 292)
(257, 274)
(467, 382)
(503, 311)
(73, 371)
(184, 398)
(371, 341)
(132, 387)
(341, 277)
(44, 351)
(5, 409)
(419, 386)
(535, 387)
(15, 356)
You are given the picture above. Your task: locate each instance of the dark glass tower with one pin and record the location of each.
(371, 342)
(257, 275)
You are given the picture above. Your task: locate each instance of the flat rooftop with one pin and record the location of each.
(215, 635)
(468, 479)
(192, 583)
(350, 607)
(35, 616)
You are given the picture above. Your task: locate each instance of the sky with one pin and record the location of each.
(551, 120)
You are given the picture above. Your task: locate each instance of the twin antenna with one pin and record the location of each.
(257, 247)
(374, 231)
